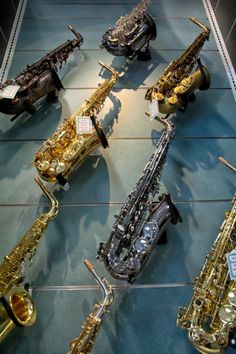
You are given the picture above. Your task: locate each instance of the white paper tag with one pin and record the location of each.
(96, 152)
(231, 260)
(83, 125)
(59, 186)
(154, 109)
(66, 186)
(9, 91)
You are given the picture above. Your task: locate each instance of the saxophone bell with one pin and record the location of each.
(17, 309)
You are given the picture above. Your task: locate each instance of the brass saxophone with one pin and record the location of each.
(210, 317)
(16, 305)
(66, 148)
(92, 324)
(176, 86)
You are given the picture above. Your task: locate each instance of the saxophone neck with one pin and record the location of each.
(77, 34)
(53, 211)
(166, 121)
(201, 25)
(226, 163)
(115, 74)
(105, 287)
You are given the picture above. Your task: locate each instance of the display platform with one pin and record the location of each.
(143, 316)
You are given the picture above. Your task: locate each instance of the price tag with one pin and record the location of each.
(83, 125)
(231, 260)
(9, 91)
(154, 109)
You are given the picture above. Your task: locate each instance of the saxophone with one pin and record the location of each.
(131, 34)
(176, 86)
(141, 222)
(92, 324)
(66, 148)
(210, 318)
(37, 80)
(16, 305)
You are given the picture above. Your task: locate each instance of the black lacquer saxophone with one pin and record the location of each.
(131, 34)
(176, 86)
(16, 305)
(84, 343)
(37, 80)
(141, 222)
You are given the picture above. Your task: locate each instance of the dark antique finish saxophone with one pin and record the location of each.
(141, 222)
(176, 86)
(67, 147)
(84, 344)
(210, 318)
(131, 34)
(36, 80)
(16, 305)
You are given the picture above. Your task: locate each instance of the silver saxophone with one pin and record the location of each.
(141, 221)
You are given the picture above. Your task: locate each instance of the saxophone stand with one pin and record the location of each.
(51, 96)
(144, 53)
(204, 86)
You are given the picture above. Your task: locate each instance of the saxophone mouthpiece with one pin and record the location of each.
(226, 163)
(88, 265)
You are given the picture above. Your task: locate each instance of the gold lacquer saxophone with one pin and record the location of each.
(16, 305)
(84, 344)
(176, 86)
(210, 318)
(67, 147)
